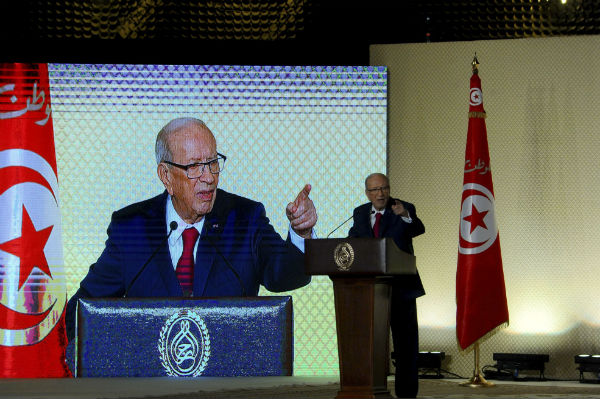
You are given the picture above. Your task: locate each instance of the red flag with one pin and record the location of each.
(480, 293)
(33, 292)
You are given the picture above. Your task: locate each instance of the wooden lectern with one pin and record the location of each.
(361, 270)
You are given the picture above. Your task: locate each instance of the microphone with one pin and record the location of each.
(235, 273)
(343, 223)
(172, 228)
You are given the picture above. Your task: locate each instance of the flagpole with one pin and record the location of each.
(477, 381)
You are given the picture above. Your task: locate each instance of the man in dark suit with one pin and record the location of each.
(384, 216)
(195, 239)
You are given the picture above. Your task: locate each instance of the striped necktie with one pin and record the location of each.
(185, 266)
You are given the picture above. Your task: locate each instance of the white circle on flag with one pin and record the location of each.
(36, 300)
(476, 97)
(478, 228)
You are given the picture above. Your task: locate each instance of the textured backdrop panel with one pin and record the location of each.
(543, 115)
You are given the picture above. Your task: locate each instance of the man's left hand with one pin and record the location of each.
(302, 213)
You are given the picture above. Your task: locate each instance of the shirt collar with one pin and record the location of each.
(374, 211)
(172, 215)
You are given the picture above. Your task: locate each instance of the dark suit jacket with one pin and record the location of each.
(237, 226)
(393, 226)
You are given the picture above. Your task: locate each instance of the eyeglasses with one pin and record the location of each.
(382, 189)
(195, 170)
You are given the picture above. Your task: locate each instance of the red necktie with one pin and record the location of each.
(185, 266)
(376, 225)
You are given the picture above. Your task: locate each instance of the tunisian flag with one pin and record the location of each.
(32, 286)
(480, 293)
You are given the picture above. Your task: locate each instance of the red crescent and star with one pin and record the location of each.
(13, 175)
(476, 218)
(12, 320)
(29, 248)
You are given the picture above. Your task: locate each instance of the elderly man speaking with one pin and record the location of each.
(195, 239)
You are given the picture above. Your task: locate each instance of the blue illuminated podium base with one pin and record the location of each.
(184, 337)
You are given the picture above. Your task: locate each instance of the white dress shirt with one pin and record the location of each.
(374, 211)
(176, 240)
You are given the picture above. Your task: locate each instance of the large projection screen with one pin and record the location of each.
(279, 126)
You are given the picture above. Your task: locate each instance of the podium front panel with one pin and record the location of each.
(184, 337)
(357, 257)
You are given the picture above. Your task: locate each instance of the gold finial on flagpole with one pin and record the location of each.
(475, 64)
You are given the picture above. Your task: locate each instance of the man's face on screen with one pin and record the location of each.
(192, 198)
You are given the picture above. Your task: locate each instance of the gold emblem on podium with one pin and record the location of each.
(184, 345)
(343, 256)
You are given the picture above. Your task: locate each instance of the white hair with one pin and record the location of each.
(376, 174)
(161, 148)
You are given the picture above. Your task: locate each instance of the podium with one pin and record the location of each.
(361, 270)
(184, 337)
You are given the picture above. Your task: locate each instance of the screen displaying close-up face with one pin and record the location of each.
(281, 127)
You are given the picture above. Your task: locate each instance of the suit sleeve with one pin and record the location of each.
(416, 228)
(354, 231)
(403, 232)
(104, 279)
(280, 261)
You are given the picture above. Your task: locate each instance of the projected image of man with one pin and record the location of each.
(195, 239)
(384, 216)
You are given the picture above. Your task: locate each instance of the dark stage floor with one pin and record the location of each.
(270, 387)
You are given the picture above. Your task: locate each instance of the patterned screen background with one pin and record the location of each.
(280, 127)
